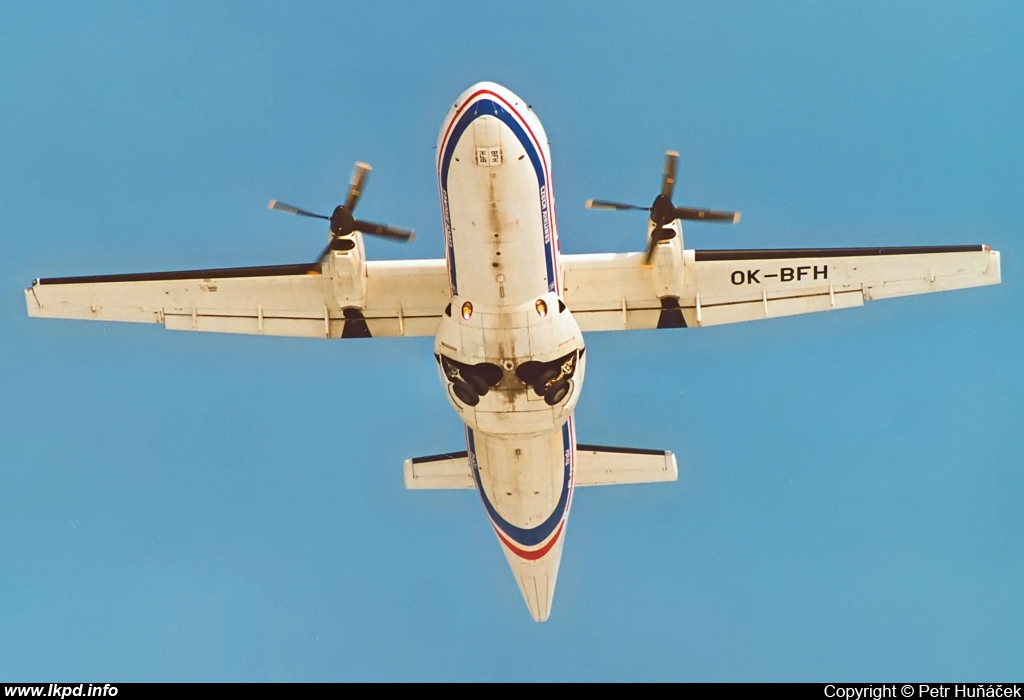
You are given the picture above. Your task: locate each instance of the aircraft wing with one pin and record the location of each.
(393, 298)
(711, 287)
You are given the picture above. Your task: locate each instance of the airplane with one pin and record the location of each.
(509, 312)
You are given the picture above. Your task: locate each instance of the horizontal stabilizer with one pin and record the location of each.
(595, 466)
(443, 471)
(604, 466)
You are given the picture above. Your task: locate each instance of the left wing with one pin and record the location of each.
(335, 298)
(710, 287)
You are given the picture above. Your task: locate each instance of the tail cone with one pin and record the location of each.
(537, 578)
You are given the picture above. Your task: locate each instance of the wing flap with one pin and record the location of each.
(290, 326)
(770, 307)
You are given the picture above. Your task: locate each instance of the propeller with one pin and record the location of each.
(664, 212)
(343, 222)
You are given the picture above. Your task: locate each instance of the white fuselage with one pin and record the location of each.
(510, 354)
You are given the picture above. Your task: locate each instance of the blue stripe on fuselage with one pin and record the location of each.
(523, 536)
(486, 107)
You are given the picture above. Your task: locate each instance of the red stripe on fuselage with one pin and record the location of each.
(531, 555)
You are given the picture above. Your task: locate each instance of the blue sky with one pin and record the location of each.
(202, 507)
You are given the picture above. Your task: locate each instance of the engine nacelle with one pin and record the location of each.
(511, 369)
(346, 268)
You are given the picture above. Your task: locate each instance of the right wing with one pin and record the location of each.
(313, 300)
(711, 287)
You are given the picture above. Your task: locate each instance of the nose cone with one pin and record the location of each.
(487, 91)
(536, 578)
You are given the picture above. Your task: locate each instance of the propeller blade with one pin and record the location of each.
(355, 188)
(724, 217)
(668, 182)
(613, 206)
(337, 243)
(650, 252)
(289, 209)
(657, 236)
(373, 229)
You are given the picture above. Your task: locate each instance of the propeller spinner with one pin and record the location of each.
(664, 212)
(343, 222)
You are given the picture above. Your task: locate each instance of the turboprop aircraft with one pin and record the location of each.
(508, 312)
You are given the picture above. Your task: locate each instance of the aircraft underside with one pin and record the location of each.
(508, 312)
(510, 355)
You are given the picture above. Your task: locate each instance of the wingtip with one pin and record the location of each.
(271, 204)
(363, 166)
(674, 154)
(736, 218)
(590, 204)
